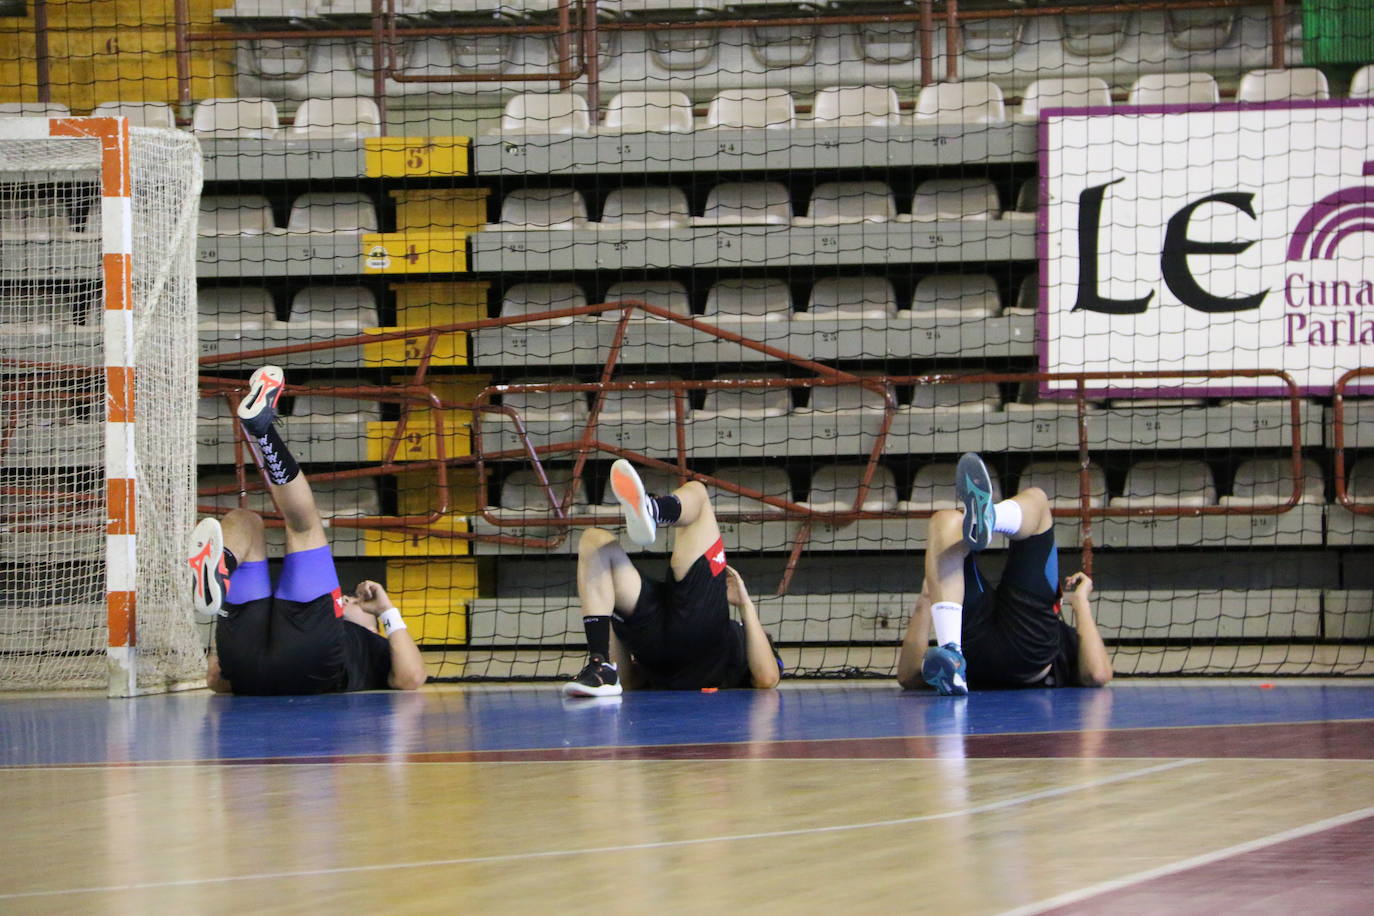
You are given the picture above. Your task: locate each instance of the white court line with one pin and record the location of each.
(1206, 858)
(599, 850)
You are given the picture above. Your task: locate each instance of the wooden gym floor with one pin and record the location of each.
(1146, 797)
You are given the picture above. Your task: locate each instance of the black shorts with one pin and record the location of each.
(681, 632)
(274, 645)
(1012, 632)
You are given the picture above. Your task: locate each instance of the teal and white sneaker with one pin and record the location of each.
(973, 490)
(944, 669)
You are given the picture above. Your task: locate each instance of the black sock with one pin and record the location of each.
(273, 456)
(666, 509)
(598, 630)
(231, 562)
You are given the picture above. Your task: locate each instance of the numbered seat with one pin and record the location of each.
(542, 209)
(976, 397)
(835, 298)
(664, 294)
(1061, 482)
(140, 114)
(336, 119)
(1362, 83)
(1269, 481)
(768, 481)
(1167, 482)
(956, 296)
(855, 106)
(234, 308)
(561, 407)
(1174, 89)
(236, 214)
(835, 488)
(648, 112)
(535, 113)
(342, 309)
(749, 299)
(745, 403)
(646, 208)
(531, 298)
(1065, 92)
(968, 102)
(1027, 200)
(1292, 84)
(642, 405)
(35, 219)
(954, 199)
(829, 399)
(341, 212)
(522, 492)
(235, 119)
(837, 203)
(33, 110)
(752, 108)
(747, 203)
(332, 408)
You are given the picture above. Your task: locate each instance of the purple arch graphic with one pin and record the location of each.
(1324, 225)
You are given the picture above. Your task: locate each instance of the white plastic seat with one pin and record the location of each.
(347, 212)
(843, 398)
(529, 298)
(855, 106)
(835, 487)
(240, 214)
(234, 309)
(1174, 89)
(969, 102)
(1027, 297)
(521, 491)
(1028, 400)
(1060, 481)
(956, 295)
(36, 220)
(663, 207)
(642, 405)
(851, 297)
(323, 407)
(345, 118)
(835, 203)
(1027, 200)
(214, 410)
(1199, 30)
(1065, 92)
(746, 403)
(769, 481)
(1359, 482)
(752, 108)
(954, 198)
(1269, 481)
(340, 308)
(749, 299)
(546, 406)
(747, 203)
(235, 119)
(351, 498)
(963, 396)
(664, 294)
(1167, 482)
(540, 209)
(1156, 403)
(546, 113)
(1362, 83)
(140, 114)
(648, 112)
(33, 110)
(1293, 84)
(932, 487)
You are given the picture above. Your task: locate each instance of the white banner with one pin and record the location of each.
(1234, 237)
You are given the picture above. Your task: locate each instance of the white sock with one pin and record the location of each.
(1007, 517)
(949, 622)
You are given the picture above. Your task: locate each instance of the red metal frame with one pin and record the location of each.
(1343, 496)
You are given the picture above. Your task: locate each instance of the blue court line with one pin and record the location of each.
(199, 726)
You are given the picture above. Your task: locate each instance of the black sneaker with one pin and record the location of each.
(598, 679)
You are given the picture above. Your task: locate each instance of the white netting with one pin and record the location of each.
(52, 392)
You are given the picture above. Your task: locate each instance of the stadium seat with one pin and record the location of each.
(747, 203)
(546, 113)
(770, 481)
(341, 410)
(540, 209)
(1167, 482)
(240, 214)
(663, 207)
(753, 298)
(665, 294)
(1199, 30)
(1027, 200)
(235, 119)
(648, 112)
(855, 106)
(970, 102)
(956, 295)
(1362, 83)
(835, 203)
(327, 211)
(521, 491)
(345, 309)
(1060, 481)
(932, 487)
(964, 396)
(1027, 297)
(850, 297)
(215, 410)
(34, 110)
(954, 198)
(835, 487)
(992, 39)
(234, 308)
(1174, 89)
(140, 114)
(752, 108)
(1029, 401)
(1269, 481)
(1359, 481)
(528, 298)
(1094, 34)
(346, 118)
(1065, 92)
(745, 403)
(546, 406)
(838, 398)
(643, 405)
(1295, 84)
(35, 219)
(352, 498)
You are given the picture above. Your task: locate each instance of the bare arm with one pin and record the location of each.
(915, 643)
(214, 679)
(407, 665)
(763, 666)
(1094, 665)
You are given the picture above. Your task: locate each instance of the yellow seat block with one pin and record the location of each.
(421, 579)
(420, 440)
(450, 349)
(415, 491)
(413, 252)
(425, 305)
(439, 623)
(400, 157)
(452, 389)
(438, 209)
(429, 541)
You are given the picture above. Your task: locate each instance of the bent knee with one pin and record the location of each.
(947, 526)
(594, 539)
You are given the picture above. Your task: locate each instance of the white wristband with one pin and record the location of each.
(391, 621)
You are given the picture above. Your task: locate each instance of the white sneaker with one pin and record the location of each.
(629, 490)
(207, 565)
(259, 408)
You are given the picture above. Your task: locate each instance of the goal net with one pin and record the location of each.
(97, 385)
